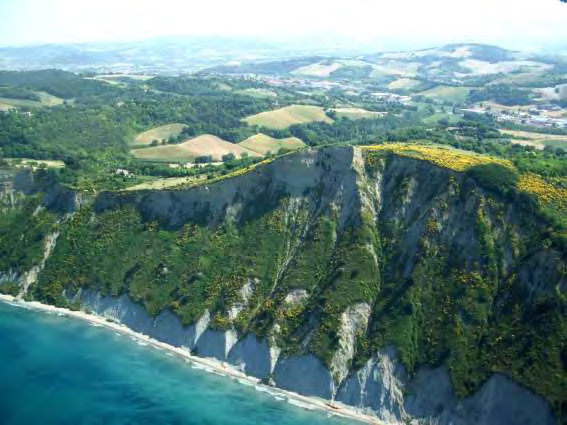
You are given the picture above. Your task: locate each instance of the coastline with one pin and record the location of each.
(207, 364)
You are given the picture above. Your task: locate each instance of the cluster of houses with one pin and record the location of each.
(392, 98)
(535, 116)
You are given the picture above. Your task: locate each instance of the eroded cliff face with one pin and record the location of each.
(332, 276)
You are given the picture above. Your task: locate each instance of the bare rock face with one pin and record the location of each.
(421, 208)
(252, 356)
(305, 375)
(500, 400)
(378, 387)
(382, 387)
(353, 321)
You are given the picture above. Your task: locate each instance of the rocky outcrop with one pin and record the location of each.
(233, 200)
(499, 401)
(354, 321)
(30, 277)
(378, 387)
(418, 206)
(381, 388)
(252, 356)
(305, 375)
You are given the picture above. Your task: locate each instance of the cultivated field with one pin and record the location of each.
(187, 151)
(258, 93)
(404, 84)
(357, 113)
(46, 99)
(263, 144)
(158, 133)
(393, 67)
(288, 116)
(448, 93)
(537, 140)
(478, 67)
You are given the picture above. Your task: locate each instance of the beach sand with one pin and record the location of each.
(206, 364)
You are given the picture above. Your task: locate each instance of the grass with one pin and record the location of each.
(537, 140)
(394, 67)
(167, 183)
(204, 145)
(264, 144)
(47, 99)
(257, 93)
(163, 132)
(20, 103)
(531, 135)
(357, 113)
(448, 93)
(404, 84)
(283, 118)
(120, 76)
(434, 119)
(5, 107)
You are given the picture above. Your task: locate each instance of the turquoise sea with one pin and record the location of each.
(58, 370)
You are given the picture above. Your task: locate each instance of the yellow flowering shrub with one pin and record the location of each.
(452, 159)
(546, 193)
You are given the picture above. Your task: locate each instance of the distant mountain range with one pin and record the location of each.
(180, 55)
(172, 55)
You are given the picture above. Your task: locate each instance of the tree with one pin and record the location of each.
(154, 142)
(204, 159)
(228, 157)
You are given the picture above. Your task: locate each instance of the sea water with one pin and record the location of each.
(59, 370)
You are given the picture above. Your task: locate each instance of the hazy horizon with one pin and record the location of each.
(520, 24)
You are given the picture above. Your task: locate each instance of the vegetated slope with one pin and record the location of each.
(62, 84)
(448, 93)
(264, 144)
(161, 133)
(333, 256)
(288, 116)
(405, 84)
(205, 145)
(18, 97)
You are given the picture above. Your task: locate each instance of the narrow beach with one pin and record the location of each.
(207, 364)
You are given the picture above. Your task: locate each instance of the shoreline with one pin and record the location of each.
(207, 364)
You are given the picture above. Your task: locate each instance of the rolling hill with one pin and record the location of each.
(448, 93)
(288, 116)
(163, 132)
(187, 151)
(264, 144)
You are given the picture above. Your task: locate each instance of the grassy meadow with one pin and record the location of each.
(283, 118)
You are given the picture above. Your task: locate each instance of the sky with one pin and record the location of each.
(511, 23)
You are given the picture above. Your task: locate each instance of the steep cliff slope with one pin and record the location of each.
(385, 282)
